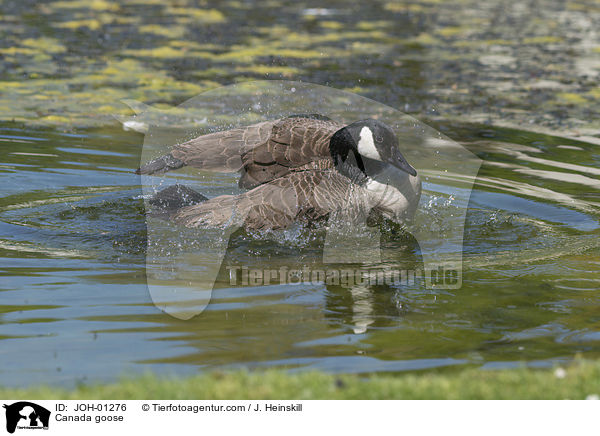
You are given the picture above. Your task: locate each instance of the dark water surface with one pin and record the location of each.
(74, 304)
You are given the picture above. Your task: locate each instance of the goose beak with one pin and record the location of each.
(397, 160)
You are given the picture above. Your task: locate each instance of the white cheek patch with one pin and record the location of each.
(366, 145)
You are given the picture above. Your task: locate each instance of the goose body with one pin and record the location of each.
(301, 168)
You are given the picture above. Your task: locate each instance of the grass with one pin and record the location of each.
(578, 381)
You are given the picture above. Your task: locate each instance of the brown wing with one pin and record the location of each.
(222, 151)
(263, 151)
(300, 196)
(219, 151)
(294, 142)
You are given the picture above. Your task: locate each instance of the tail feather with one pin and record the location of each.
(161, 165)
(173, 198)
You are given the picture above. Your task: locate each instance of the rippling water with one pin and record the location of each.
(75, 305)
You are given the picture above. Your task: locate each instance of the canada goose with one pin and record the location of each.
(300, 168)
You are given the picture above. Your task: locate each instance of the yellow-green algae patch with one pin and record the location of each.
(18, 51)
(268, 69)
(451, 31)
(44, 44)
(572, 98)
(92, 24)
(374, 25)
(248, 54)
(166, 31)
(333, 25)
(95, 5)
(163, 52)
(595, 93)
(193, 45)
(542, 40)
(197, 15)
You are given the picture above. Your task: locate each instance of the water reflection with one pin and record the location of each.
(357, 295)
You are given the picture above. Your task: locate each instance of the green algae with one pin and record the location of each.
(571, 98)
(173, 32)
(68, 59)
(95, 5)
(188, 15)
(542, 40)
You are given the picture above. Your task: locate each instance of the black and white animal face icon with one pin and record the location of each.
(26, 414)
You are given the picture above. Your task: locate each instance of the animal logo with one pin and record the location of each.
(25, 414)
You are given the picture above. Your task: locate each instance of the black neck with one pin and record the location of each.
(340, 145)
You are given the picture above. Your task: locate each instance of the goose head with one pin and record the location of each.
(370, 145)
(367, 152)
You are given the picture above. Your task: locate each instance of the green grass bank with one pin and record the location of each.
(577, 381)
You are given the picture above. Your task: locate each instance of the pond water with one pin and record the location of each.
(74, 301)
(75, 306)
